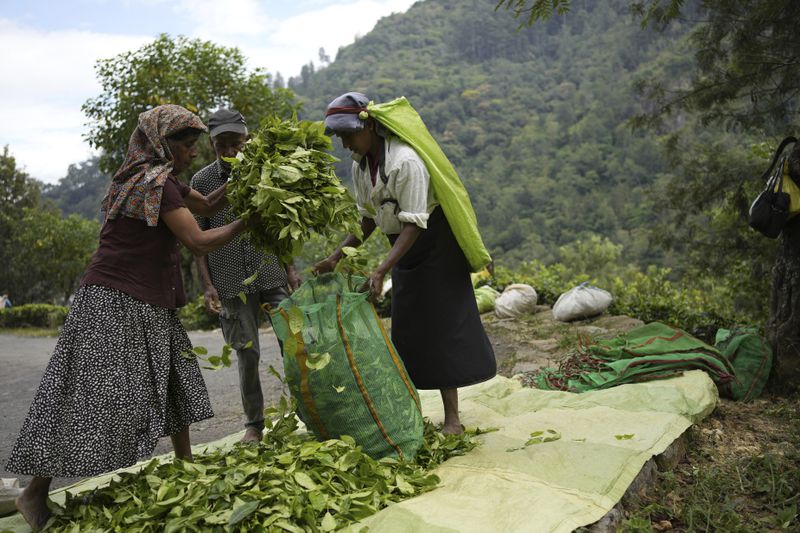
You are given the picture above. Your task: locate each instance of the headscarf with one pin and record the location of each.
(137, 186)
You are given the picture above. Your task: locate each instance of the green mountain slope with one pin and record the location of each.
(81, 191)
(534, 120)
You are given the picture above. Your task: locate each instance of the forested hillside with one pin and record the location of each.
(81, 191)
(535, 120)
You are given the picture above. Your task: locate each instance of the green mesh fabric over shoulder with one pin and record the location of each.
(403, 120)
(343, 370)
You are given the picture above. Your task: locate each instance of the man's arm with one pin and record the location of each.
(207, 205)
(292, 277)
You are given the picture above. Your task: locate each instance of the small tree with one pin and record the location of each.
(199, 75)
(47, 254)
(18, 192)
(17, 188)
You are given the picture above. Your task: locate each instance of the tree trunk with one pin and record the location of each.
(783, 327)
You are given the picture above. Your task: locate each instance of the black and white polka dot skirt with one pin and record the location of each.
(115, 384)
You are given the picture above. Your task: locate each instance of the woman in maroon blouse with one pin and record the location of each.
(117, 381)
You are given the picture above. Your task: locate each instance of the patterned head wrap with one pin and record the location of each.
(136, 188)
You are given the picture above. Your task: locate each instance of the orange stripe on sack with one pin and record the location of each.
(359, 381)
(676, 336)
(305, 391)
(400, 367)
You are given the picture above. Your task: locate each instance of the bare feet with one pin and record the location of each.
(33, 509)
(452, 429)
(252, 435)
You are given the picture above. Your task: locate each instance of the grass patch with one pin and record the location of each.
(30, 332)
(743, 475)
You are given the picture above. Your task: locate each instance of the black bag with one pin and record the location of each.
(770, 210)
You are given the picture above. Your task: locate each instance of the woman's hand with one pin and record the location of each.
(325, 266)
(375, 281)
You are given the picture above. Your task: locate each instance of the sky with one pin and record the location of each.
(49, 49)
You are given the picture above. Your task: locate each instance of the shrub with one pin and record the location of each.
(699, 306)
(33, 316)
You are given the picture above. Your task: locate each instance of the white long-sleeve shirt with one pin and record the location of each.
(408, 184)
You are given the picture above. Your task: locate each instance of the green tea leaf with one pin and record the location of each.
(304, 480)
(241, 512)
(328, 522)
(295, 319)
(318, 361)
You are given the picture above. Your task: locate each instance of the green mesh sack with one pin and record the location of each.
(343, 370)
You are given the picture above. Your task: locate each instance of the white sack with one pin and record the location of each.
(582, 301)
(516, 300)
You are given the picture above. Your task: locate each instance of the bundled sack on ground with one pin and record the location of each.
(652, 351)
(343, 370)
(517, 299)
(581, 302)
(485, 297)
(751, 357)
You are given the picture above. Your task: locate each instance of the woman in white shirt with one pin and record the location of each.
(436, 326)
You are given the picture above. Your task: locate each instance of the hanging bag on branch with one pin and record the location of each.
(343, 370)
(779, 200)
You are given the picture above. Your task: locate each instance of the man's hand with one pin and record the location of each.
(293, 277)
(213, 305)
(326, 265)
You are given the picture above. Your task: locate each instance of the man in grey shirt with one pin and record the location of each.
(222, 273)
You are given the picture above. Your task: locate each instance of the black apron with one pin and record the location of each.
(436, 326)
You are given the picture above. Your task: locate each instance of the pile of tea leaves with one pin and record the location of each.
(286, 482)
(285, 175)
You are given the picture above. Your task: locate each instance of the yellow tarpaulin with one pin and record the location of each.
(603, 440)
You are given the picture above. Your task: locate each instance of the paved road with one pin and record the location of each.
(23, 360)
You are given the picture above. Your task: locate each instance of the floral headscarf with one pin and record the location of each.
(136, 188)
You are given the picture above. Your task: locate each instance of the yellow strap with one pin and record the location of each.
(305, 391)
(356, 374)
(397, 363)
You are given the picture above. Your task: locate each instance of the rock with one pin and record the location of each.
(673, 455)
(592, 330)
(663, 525)
(617, 322)
(526, 366)
(610, 522)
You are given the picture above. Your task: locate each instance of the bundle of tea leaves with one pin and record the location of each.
(285, 175)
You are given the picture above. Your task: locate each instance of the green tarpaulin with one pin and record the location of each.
(652, 351)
